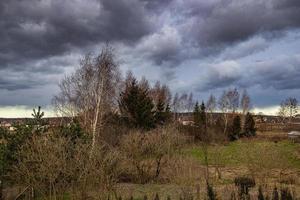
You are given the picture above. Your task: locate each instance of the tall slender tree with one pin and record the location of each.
(197, 114)
(245, 106)
(91, 92)
(211, 105)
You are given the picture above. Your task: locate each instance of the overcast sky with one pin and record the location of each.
(199, 46)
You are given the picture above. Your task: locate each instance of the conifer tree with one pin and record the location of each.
(236, 128)
(37, 116)
(197, 114)
(249, 127)
(162, 112)
(136, 106)
(203, 113)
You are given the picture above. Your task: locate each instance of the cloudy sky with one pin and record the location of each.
(200, 46)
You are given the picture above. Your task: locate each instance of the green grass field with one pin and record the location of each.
(239, 153)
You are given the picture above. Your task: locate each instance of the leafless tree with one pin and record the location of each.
(228, 103)
(233, 98)
(288, 108)
(224, 106)
(245, 102)
(175, 105)
(91, 91)
(144, 84)
(183, 99)
(245, 106)
(161, 93)
(190, 102)
(211, 106)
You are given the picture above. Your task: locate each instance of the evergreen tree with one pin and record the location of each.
(249, 127)
(236, 128)
(136, 106)
(37, 116)
(162, 112)
(197, 114)
(203, 114)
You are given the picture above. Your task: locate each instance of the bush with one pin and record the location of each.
(286, 194)
(260, 194)
(210, 193)
(147, 153)
(53, 165)
(275, 195)
(244, 183)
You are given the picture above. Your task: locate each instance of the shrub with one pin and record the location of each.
(285, 194)
(211, 195)
(52, 165)
(275, 195)
(244, 183)
(147, 153)
(260, 194)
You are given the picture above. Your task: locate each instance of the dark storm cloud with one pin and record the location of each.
(207, 28)
(36, 29)
(38, 39)
(278, 73)
(156, 5)
(17, 81)
(229, 21)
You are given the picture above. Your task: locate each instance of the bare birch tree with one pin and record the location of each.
(190, 102)
(211, 106)
(175, 105)
(90, 92)
(228, 103)
(245, 106)
(233, 98)
(245, 102)
(183, 102)
(224, 106)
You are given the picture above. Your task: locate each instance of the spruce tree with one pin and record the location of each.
(162, 112)
(197, 114)
(249, 127)
(203, 114)
(136, 106)
(236, 128)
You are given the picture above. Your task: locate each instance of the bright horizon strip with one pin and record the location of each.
(22, 111)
